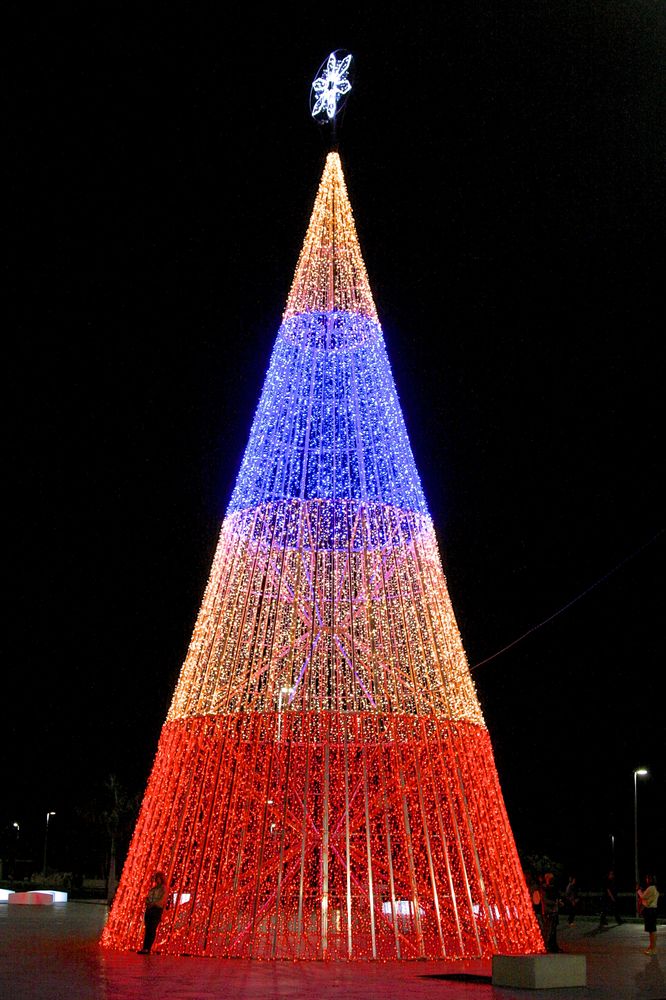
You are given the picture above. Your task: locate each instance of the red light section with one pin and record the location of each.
(315, 836)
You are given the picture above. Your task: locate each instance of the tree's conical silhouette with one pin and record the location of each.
(324, 784)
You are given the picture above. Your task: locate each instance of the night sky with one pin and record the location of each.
(505, 166)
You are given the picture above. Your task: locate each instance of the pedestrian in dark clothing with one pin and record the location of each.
(571, 900)
(610, 902)
(551, 912)
(155, 903)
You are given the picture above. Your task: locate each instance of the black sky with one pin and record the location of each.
(505, 166)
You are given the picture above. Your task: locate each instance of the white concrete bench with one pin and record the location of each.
(539, 972)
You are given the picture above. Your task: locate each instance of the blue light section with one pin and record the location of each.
(330, 330)
(325, 525)
(329, 425)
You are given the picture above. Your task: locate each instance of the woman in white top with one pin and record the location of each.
(649, 897)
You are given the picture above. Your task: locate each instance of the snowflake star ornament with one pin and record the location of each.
(329, 86)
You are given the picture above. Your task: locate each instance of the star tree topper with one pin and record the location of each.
(329, 86)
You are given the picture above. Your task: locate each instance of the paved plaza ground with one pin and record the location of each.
(51, 952)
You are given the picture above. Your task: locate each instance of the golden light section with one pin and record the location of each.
(364, 626)
(330, 274)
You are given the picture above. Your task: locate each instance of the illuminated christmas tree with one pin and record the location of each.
(324, 785)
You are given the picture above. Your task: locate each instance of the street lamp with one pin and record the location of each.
(46, 837)
(639, 772)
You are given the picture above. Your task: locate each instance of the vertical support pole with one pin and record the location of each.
(347, 839)
(283, 830)
(371, 894)
(412, 871)
(389, 854)
(426, 833)
(304, 839)
(325, 832)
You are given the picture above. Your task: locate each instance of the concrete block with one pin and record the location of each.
(38, 897)
(59, 895)
(539, 972)
(31, 898)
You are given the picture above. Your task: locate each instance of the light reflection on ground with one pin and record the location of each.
(51, 953)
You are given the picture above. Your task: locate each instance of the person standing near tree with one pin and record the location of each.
(610, 902)
(571, 898)
(155, 903)
(648, 898)
(551, 912)
(536, 888)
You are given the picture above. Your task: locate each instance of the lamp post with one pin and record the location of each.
(639, 772)
(14, 851)
(46, 837)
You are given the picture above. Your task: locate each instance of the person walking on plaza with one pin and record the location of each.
(648, 898)
(571, 900)
(551, 912)
(155, 903)
(610, 902)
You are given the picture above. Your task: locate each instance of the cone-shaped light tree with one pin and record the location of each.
(324, 785)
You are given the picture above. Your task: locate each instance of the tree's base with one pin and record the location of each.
(326, 836)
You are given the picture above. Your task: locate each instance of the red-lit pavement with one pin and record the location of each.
(51, 952)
